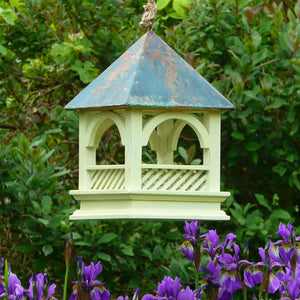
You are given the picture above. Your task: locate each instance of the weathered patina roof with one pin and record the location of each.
(150, 74)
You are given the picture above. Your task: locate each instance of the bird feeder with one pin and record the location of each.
(150, 94)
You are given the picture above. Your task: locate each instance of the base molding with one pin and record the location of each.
(126, 204)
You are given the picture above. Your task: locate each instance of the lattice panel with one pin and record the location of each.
(173, 180)
(108, 179)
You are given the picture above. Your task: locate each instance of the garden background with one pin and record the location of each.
(50, 50)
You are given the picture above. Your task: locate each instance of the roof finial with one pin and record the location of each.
(149, 14)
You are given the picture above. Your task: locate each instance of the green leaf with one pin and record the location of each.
(295, 127)
(238, 135)
(296, 181)
(278, 18)
(292, 114)
(191, 153)
(161, 4)
(103, 256)
(127, 250)
(8, 15)
(16, 3)
(183, 153)
(147, 253)
(279, 169)
(280, 214)
(210, 44)
(46, 156)
(237, 213)
(85, 70)
(252, 146)
(47, 249)
(46, 204)
(254, 93)
(262, 201)
(288, 42)
(3, 50)
(181, 7)
(43, 221)
(23, 144)
(84, 243)
(196, 161)
(107, 238)
(259, 56)
(277, 103)
(256, 39)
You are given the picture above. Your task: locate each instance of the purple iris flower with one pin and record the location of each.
(87, 277)
(135, 296)
(270, 264)
(252, 276)
(2, 290)
(229, 240)
(40, 284)
(188, 249)
(169, 287)
(15, 290)
(100, 294)
(186, 294)
(13, 280)
(1, 264)
(290, 284)
(213, 270)
(224, 272)
(286, 253)
(146, 297)
(285, 232)
(191, 230)
(211, 240)
(293, 288)
(224, 295)
(90, 274)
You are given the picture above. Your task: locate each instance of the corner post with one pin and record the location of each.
(87, 155)
(133, 149)
(212, 156)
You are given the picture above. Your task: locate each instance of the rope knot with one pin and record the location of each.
(149, 14)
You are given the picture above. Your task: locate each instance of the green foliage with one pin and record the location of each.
(176, 9)
(249, 50)
(49, 50)
(33, 210)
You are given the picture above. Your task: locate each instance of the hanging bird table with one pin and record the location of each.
(150, 94)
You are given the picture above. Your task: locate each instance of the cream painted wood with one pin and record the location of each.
(173, 179)
(133, 149)
(100, 122)
(136, 190)
(177, 167)
(164, 153)
(191, 119)
(86, 154)
(211, 156)
(149, 205)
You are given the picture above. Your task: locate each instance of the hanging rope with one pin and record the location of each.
(149, 14)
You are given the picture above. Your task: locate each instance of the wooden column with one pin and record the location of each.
(133, 149)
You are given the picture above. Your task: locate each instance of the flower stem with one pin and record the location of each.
(197, 280)
(66, 282)
(6, 275)
(245, 294)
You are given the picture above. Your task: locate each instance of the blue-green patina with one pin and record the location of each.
(150, 74)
